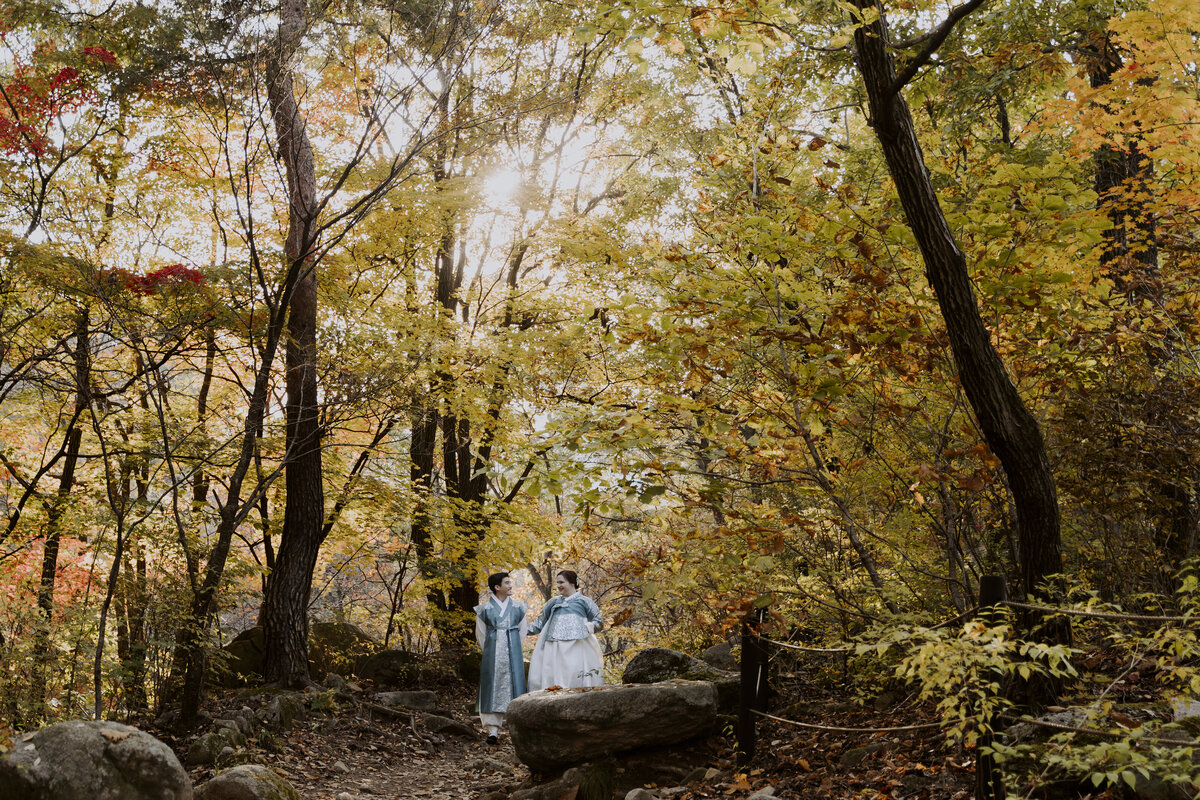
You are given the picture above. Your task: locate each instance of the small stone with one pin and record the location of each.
(765, 793)
(341, 765)
(854, 757)
(440, 724)
(416, 700)
(226, 752)
(641, 793)
(713, 775)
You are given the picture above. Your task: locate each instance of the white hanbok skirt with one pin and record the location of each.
(571, 664)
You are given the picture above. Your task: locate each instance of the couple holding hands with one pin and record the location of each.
(567, 653)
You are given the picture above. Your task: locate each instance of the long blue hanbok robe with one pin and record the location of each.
(499, 630)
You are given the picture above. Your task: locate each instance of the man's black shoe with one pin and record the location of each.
(493, 739)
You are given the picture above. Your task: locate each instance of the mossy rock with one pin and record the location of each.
(207, 749)
(242, 661)
(338, 647)
(656, 664)
(597, 780)
(391, 668)
(1190, 724)
(247, 782)
(285, 709)
(239, 758)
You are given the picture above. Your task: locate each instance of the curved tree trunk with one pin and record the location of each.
(1008, 427)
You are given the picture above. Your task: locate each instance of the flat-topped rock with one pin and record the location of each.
(555, 728)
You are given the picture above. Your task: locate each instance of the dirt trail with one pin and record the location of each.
(357, 755)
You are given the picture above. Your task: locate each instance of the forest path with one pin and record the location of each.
(355, 754)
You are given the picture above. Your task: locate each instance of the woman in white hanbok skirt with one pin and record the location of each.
(567, 653)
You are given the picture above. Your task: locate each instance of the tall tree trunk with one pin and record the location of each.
(285, 606)
(1010, 430)
(1123, 182)
(451, 604)
(54, 513)
(190, 657)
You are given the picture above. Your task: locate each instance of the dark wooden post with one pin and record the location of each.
(989, 784)
(754, 683)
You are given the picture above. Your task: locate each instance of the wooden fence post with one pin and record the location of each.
(754, 688)
(989, 783)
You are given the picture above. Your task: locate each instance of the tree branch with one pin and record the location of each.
(935, 39)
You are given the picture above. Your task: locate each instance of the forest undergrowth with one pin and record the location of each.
(827, 740)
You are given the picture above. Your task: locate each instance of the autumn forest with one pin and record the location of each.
(324, 311)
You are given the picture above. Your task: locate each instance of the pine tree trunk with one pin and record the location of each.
(285, 606)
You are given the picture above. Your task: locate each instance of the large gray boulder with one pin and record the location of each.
(396, 668)
(92, 761)
(247, 782)
(554, 729)
(338, 647)
(656, 664)
(243, 659)
(720, 656)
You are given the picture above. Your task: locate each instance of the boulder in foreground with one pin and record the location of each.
(556, 728)
(92, 761)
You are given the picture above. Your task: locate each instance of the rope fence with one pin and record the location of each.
(822, 650)
(1037, 723)
(966, 615)
(1101, 732)
(963, 617)
(1079, 612)
(838, 729)
(993, 594)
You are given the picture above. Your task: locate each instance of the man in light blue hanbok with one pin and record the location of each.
(499, 628)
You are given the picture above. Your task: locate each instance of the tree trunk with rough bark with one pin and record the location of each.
(1008, 427)
(56, 506)
(285, 606)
